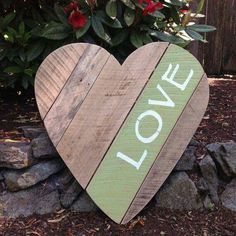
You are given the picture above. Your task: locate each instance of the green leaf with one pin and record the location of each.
(193, 34)
(25, 83)
(111, 9)
(108, 21)
(136, 39)
(80, 32)
(166, 37)
(7, 20)
(146, 38)
(120, 37)
(157, 14)
(200, 6)
(29, 72)
(128, 3)
(202, 28)
(13, 69)
(35, 50)
(99, 29)
(129, 16)
(3, 53)
(22, 28)
(55, 31)
(61, 14)
(175, 15)
(12, 31)
(22, 54)
(112, 23)
(175, 2)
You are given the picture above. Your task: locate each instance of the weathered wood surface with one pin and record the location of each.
(104, 110)
(219, 55)
(168, 157)
(130, 157)
(76, 88)
(53, 74)
(92, 113)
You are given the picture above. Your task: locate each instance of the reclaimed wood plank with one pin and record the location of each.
(131, 155)
(95, 125)
(81, 80)
(172, 149)
(215, 15)
(53, 74)
(229, 34)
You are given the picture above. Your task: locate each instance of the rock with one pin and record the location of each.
(40, 199)
(194, 143)
(1, 176)
(224, 155)
(31, 132)
(17, 180)
(208, 203)
(70, 194)
(179, 192)
(63, 179)
(84, 204)
(42, 147)
(228, 197)
(187, 160)
(16, 155)
(202, 186)
(209, 173)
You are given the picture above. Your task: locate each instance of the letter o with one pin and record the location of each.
(154, 136)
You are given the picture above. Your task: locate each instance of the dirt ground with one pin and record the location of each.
(218, 125)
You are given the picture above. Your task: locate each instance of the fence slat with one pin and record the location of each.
(229, 45)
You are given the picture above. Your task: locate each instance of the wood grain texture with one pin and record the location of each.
(53, 74)
(118, 180)
(81, 80)
(91, 106)
(175, 145)
(101, 115)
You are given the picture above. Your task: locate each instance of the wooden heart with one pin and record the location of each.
(121, 129)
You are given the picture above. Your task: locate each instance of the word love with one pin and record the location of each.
(168, 102)
(121, 129)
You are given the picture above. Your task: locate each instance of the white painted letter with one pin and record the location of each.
(167, 103)
(172, 76)
(136, 164)
(154, 136)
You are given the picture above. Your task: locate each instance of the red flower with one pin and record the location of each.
(141, 1)
(73, 6)
(152, 7)
(77, 19)
(184, 11)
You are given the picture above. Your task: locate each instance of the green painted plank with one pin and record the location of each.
(135, 148)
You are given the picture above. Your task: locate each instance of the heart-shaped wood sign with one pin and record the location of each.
(121, 129)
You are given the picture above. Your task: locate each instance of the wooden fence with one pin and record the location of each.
(219, 55)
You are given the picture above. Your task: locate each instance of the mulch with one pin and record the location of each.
(218, 125)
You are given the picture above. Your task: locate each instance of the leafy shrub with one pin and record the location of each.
(30, 30)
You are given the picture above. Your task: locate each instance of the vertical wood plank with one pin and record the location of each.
(229, 34)
(196, 47)
(213, 51)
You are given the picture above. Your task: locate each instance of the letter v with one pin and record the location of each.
(167, 103)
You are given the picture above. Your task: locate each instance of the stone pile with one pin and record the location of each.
(34, 179)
